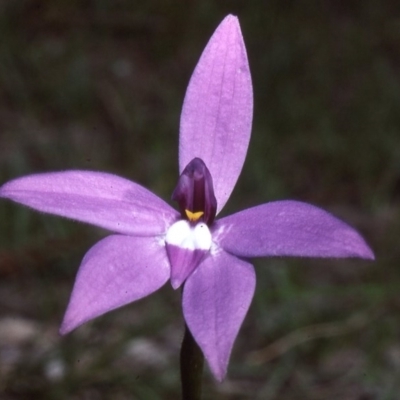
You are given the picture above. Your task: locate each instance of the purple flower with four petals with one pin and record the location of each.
(152, 242)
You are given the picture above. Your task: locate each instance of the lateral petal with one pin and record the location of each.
(114, 272)
(216, 298)
(218, 109)
(289, 228)
(101, 199)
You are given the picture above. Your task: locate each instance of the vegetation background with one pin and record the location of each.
(99, 84)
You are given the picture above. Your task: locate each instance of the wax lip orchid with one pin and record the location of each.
(152, 242)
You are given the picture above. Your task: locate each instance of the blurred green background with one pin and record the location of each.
(99, 84)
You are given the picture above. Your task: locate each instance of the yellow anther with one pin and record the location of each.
(193, 216)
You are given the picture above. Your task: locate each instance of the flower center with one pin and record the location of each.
(195, 193)
(189, 240)
(186, 236)
(186, 245)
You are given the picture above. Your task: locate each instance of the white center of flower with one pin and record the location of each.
(186, 236)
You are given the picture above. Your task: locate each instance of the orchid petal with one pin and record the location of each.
(216, 298)
(289, 228)
(116, 271)
(218, 108)
(183, 262)
(101, 199)
(186, 246)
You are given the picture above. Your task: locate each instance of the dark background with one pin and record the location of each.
(99, 85)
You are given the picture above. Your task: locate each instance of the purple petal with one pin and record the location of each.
(183, 262)
(218, 109)
(289, 228)
(114, 272)
(216, 298)
(101, 199)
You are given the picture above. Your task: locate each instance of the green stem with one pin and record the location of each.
(192, 361)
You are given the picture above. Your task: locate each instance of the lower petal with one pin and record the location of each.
(115, 272)
(183, 262)
(186, 246)
(216, 298)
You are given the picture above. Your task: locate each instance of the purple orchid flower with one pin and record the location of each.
(153, 242)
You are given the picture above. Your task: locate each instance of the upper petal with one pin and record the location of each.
(289, 228)
(216, 298)
(114, 272)
(218, 109)
(102, 199)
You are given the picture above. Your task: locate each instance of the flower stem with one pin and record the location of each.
(192, 361)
